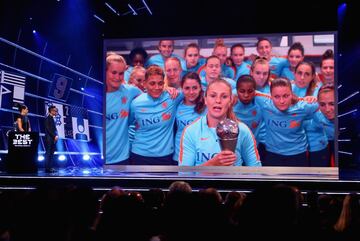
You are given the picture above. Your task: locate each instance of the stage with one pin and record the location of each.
(142, 178)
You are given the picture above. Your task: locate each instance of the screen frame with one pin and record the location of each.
(110, 44)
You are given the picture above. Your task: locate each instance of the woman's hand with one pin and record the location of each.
(172, 92)
(223, 158)
(310, 99)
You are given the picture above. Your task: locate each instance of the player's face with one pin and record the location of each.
(138, 80)
(154, 85)
(295, 57)
(246, 92)
(173, 71)
(261, 74)
(327, 104)
(166, 47)
(221, 53)
(138, 60)
(327, 69)
(281, 96)
(218, 100)
(238, 55)
(264, 49)
(114, 76)
(192, 57)
(191, 89)
(303, 76)
(213, 68)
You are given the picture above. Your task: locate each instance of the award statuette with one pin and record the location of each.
(227, 130)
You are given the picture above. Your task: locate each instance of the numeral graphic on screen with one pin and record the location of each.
(60, 87)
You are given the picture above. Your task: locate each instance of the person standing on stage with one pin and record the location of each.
(22, 121)
(51, 137)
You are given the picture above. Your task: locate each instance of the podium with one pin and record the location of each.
(23, 152)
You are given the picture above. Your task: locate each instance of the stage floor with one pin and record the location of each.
(223, 178)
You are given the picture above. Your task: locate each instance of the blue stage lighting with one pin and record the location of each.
(41, 158)
(34, 31)
(341, 13)
(86, 157)
(86, 172)
(62, 158)
(82, 88)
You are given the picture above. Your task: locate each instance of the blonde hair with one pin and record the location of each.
(114, 57)
(262, 61)
(219, 43)
(136, 70)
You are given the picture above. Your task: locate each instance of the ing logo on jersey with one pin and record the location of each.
(164, 105)
(183, 123)
(154, 120)
(204, 157)
(278, 123)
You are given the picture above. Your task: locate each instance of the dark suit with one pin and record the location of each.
(50, 144)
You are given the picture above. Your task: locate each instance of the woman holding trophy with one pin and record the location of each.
(218, 138)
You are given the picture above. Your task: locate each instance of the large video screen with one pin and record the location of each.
(242, 100)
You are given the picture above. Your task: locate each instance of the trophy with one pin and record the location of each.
(227, 130)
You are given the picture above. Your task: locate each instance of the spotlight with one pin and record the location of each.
(62, 158)
(41, 158)
(34, 31)
(82, 88)
(86, 171)
(86, 157)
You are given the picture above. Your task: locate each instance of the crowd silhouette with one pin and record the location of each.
(180, 213)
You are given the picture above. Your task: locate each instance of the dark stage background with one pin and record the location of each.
(68, 39)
